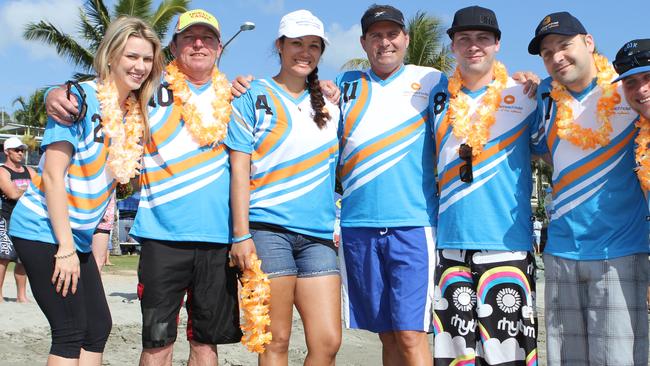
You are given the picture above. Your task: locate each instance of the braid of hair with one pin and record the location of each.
(321, 115)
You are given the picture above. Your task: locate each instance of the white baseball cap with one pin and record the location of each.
(301, 23)
(12, 143)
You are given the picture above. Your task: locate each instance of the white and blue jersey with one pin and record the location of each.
(599, 211)
(185, 187)
(293, 161)
(387, 149)
(493, 212)
(89, 183)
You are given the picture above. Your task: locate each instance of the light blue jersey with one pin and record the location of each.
(293, 161)
(599, 211)
(387, 149)
(493, 212)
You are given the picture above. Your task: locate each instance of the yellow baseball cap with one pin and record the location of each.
(194, 17)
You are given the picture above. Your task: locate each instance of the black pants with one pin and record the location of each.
(80, 320)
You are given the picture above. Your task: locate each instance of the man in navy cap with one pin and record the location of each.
(485, 282)
(596, 257)
(632, 63)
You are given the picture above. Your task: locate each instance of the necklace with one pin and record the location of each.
(567, 129)
(475, 134)
(124, 132)
(204, 130)
(642, 156)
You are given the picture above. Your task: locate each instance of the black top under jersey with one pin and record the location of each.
(7, 203)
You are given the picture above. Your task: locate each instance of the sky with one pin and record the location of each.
(28, 65)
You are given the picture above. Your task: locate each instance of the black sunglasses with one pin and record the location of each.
(19, 149)
(82, 103)
(465, 171)
(626, 63)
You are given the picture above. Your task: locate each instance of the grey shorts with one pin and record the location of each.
(596, 311)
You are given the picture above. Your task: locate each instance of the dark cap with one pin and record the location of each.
(633, 58)
(377, 13)
(556, 23)
(474, 18)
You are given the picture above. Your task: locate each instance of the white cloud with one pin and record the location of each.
(483, 310)
(344, 45)
(439, 302)
(14, 15)
(446, 347)
(508, 351)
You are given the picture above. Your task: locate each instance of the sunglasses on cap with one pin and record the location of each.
(82, 106)
(624, 64)
(465, 171)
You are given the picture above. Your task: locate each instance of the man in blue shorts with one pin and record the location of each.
(389, 195)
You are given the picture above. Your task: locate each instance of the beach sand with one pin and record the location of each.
(25, 336)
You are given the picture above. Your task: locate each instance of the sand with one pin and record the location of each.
(25, 335)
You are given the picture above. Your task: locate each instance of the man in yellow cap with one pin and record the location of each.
(183, 216)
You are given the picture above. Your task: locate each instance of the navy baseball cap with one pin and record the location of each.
(562, 23)
(377, 13)
(633, 58)
(474, 18)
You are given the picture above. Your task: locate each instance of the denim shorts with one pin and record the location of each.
(292, 254)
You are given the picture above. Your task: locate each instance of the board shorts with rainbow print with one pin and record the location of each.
(484, 308)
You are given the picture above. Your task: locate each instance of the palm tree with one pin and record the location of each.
(94, 19)
(425, 47)
(31, 111)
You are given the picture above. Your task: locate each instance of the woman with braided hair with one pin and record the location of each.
(284, 144)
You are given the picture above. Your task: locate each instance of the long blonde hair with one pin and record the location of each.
(111, 48)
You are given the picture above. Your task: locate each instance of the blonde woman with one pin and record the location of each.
(54, 221)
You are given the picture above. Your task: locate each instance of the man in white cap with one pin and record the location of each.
(183, 220)
(14, 179)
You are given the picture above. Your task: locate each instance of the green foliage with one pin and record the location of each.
(94, 18)
(31, 110)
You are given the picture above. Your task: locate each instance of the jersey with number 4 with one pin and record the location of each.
(88, 182)
(386, 165)
(185, 187)
(293, 161)
(493, 211)
(599, 210)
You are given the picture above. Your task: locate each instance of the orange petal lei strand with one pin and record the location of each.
(642, 155)
(255, 300)
(475, 134)
(125, 133)
(204, 130)
(567, 129)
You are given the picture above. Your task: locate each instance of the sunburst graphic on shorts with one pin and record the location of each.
(508, 300)
(464, 298)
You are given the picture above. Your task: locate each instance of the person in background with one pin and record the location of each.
(14, 180)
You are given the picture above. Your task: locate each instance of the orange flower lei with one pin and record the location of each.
(642, 155)
(255, 300)
(567, 129)
(125, 133)
(205, 131)
(476, 134)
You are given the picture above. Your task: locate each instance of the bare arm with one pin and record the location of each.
(8, 187)
(66, 270)
(60, 108)
(240, 200)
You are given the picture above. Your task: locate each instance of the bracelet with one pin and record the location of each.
(239, 239)
(64, 256)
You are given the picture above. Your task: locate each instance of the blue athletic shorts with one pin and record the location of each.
(387, 278)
